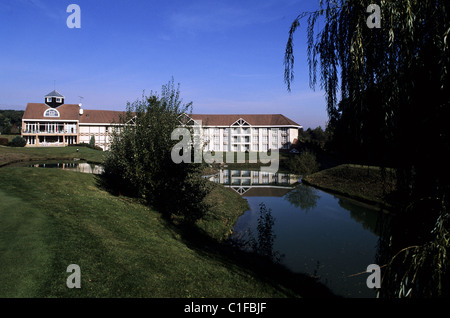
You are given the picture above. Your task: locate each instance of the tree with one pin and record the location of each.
(303, 164)
(18, 142)
(139, 162)
(92, 142)
(6, 129)
(385, 77)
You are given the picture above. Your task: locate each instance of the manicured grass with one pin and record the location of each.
(364, 183)
(16, 154)
(52, 218)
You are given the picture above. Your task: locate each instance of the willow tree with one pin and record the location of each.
(386, 82)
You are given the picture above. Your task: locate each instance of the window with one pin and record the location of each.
(58, 99)
(51, 113)
(49, 99)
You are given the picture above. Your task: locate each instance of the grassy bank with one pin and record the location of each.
(52, 218)
(14, 154)
(364, 183)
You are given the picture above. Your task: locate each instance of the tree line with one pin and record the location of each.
(10, 121)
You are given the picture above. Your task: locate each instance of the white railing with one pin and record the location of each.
(48, 132)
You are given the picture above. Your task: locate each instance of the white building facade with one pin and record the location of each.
(54, 123)
(246, 133)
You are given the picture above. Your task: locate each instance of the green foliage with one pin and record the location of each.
(392, 111)
(92, 142)
(266, 237)
(303, 164)
(18, 142)
(10, 120)
(4, 141)
(139, 162)
(88, 145)
(6, 126)
(316, 140)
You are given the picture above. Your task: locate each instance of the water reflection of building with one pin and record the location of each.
(73, 166)
(255, 182)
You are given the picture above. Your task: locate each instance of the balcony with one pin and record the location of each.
(58, 132)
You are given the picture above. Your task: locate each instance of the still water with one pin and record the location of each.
(84, 167)
(316, 233)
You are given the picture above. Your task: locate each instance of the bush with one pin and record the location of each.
(139, 162)
(83, 144)
(18, 142)
(4, 142)
(304, 164)
(92, 142)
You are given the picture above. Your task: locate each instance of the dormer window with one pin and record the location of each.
(58, 99)
(51, 113)
(49, 99)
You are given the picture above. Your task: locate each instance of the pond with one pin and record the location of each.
(316, 233)
(78, 166)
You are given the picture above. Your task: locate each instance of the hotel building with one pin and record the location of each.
(241, 133)
(54, 123)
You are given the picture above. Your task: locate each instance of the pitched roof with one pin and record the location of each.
(252, 119)
(54, 94)
(101, 116)
(66, 111)
(72, 112)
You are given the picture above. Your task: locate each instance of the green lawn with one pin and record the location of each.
(365, 183)
(52, 218)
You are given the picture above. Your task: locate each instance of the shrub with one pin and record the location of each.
(18, 142)
(304, 164)
(4, 141)
(92, 142)
(139, 162)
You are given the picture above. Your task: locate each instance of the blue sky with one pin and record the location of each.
(226, 55)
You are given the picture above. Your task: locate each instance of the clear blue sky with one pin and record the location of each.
(227, 55)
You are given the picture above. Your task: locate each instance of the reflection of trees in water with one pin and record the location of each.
(303, 197)
(369, 219)
(262, 242)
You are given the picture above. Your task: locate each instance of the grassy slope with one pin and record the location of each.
(52, 218)
(13, 154)
(363, 183)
